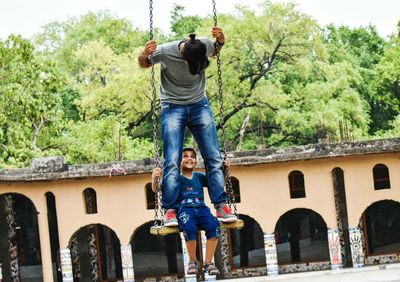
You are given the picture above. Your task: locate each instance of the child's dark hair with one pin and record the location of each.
(189, 149)
(194, 53)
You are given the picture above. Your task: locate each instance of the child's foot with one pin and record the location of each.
(170, 218)
(193, 267)
(211, 269)
(224, 214)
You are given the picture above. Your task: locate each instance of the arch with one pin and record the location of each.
(236, 188)
(156, 256)
(381, 177)
(95, 254)
(150, 197)
(90, 200)
(381, 225)
(301, 236)
(247, 245)
(20, 251)
(296, 184)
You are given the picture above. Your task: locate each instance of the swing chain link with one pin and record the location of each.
(158, 195)
(228, 181)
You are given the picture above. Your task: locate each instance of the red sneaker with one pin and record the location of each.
(224, 214)
(170, 218)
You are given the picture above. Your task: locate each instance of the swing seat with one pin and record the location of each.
(163, 230)
(238, 224)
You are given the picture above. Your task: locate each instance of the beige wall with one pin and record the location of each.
(121, 200)
(120, 203)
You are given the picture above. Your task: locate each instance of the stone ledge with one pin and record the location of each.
(44, 171)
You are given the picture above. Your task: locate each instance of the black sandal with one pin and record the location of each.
(211, 269)
(193, 267)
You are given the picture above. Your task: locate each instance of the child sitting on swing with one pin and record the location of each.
(193, 214)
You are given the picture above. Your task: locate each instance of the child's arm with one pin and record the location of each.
(155, 178)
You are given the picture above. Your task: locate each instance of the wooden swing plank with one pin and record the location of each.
(163, 230)
(238, 224)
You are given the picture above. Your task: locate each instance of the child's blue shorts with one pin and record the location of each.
(191, 219)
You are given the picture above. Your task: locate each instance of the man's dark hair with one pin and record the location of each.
(189, 149)
(194, 53)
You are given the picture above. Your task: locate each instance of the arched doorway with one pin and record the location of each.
(301, 237)
(156, 256)
(19, 239)
(381, 222)
(247, 245)
(95, 254)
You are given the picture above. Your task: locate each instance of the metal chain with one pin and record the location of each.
(158, 196)
(228, 182)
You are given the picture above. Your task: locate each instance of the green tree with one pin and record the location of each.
(29, 101)
(258, 46)
(182, 25)
(363, 47)
(63, 39)
(387, 87)
(103, 140)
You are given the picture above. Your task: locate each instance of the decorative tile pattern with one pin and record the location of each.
(341, 211)
(66, 265)
(249, 272)
(271, 256)
(335, 249)
(165, 279)
(222, 255)
(382, 259)
(76, 265)
(127, 263)
(93, 254)
(357, 250)
(302, 267)
(12, 238)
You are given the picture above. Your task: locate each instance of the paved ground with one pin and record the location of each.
(381, 273)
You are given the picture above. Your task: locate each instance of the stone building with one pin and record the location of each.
(323, 206)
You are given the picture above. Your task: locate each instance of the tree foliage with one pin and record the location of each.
(77, 89)
(29, 86)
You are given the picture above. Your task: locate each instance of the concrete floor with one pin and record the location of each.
(378, 273)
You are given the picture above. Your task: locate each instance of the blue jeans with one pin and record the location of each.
(200, 120)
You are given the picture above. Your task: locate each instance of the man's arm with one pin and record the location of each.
(149, 49)
(218, 34)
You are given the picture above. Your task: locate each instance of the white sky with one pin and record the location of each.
(26, 17)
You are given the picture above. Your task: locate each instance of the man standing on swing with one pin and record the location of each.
(184, 104)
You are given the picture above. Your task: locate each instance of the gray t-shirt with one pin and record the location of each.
(178, 85)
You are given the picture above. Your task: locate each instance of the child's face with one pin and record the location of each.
(188, 160)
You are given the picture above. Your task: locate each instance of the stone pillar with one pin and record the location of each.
(66, 265)
(45, 244)
(271, 256)
(357, 252)
(127, 263)
(335, 252)
(12, 239)
(222, 255)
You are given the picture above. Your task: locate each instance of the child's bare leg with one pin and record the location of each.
(191, 247)
(211, 245)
